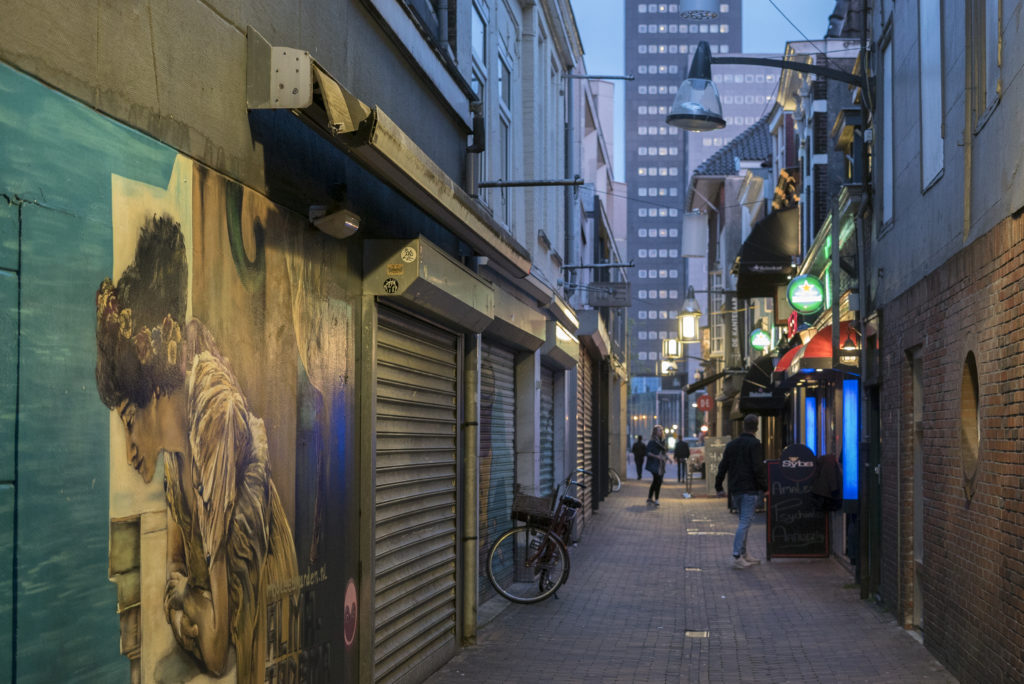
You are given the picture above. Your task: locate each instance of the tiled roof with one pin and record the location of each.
(753, 144)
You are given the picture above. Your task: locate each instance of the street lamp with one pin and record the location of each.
(671, 349)
(688, 320)
(699, 10)
(697, 106)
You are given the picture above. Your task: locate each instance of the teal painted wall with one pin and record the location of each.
(56, 161)
(275, 294)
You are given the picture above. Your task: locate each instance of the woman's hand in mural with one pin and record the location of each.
(185, 631)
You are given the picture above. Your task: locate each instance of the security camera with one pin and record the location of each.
(338, 224)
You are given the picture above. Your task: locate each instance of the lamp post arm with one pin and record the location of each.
(827, 72)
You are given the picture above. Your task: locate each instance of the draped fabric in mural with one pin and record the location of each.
(223, 352)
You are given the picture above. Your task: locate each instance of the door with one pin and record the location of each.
(497, 451)
(585, 430)
(415, 523)
(547, 430)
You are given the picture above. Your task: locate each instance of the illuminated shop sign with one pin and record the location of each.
(805, 294)
(760, 339)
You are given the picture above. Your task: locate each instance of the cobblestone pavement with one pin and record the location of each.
(653, 597)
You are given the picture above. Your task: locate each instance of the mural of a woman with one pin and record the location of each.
(228, 538)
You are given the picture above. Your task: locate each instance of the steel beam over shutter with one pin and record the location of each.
(585, 427)
(497, 450)
(547, 430)
(415, 523)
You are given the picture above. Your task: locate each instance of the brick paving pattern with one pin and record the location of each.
(647, 583)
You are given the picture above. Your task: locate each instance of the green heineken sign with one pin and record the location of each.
(760, 339)
(806, 294)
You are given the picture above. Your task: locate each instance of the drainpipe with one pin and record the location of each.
(442, 20)
(470, 522)
(570, 192)
(866, 491)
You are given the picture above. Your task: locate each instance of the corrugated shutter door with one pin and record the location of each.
(585, 427)
(497, 451)
(415, 497)
(547, 430)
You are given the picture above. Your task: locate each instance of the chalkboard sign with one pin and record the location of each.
(794, 526)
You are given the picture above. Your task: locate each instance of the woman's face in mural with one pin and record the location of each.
(142, 437)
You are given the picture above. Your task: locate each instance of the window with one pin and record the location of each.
(642, 294)
(505, 83)
(642, 232)
(479, 32)
(642, 253)
(673, 273)
(642, 315)
(929, 26)
(970, 422)
(984, 57)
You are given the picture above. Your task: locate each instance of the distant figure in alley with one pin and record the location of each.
(657, 457)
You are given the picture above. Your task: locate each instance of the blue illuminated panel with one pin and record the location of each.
(851, 430)
(811, 424)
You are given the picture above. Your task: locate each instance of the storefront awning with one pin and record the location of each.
(787, 359)
(701, 384)
(758, 393)
(766, 257)
(372, 139)
(817, 353)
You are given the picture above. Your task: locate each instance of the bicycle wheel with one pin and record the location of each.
(527, 564)
(615, 480)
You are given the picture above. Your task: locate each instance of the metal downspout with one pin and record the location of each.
(470, 488)
(866, 491)
(570, 193)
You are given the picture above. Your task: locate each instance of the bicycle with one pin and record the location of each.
(529, 563)
(614, 480)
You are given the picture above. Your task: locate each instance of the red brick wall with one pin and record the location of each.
(973, 577)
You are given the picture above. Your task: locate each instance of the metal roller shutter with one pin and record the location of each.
(585, 427)
(497, 451)
(415, 497)
(547, 430)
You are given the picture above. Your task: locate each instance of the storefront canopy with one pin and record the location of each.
(701, 384)
(766, 259)
(817, 353)
(787, 359)
(759, 394)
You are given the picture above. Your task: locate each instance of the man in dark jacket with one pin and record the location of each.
(682, 453)
(743, 462)
(639, 455)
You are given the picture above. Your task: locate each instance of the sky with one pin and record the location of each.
(765, 31)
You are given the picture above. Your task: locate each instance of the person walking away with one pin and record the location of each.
(639, 454)
(682, 453)
(657, 456)
(743, 463)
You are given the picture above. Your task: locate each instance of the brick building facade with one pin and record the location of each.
(966, 557)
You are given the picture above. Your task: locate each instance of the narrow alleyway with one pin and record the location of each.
(653, 598)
